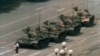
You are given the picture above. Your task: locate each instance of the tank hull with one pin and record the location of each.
(90, 22)
(75, 31)
(43, 43)
(60, 38)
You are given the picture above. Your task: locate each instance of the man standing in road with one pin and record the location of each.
(17, 47)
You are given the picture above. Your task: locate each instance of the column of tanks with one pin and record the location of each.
(56, 31)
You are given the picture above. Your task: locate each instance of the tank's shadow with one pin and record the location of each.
(29, 47)
(90, 26)
(68, 40)
(75, 34)
(8, 8)
(36, 1)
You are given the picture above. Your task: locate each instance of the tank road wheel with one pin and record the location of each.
(60, 38)
(43, 43)
(75, 31)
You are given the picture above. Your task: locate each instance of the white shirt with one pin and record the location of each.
(17, 44)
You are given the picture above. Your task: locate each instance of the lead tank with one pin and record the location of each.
(71, 24)
(56, 31)
(36, 39)
(86, 19)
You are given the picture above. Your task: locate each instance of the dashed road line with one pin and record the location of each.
(39, 8)
(2, 42)
(21, 6)
(3, 47)
(50, 54)
(35, 53)
(5, 52)
(86, 52)
(61, 9)
(23, 51)
(9, 44)
(83, 40)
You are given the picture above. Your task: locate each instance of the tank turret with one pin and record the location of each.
(56, 32)
(72, 24)
(86, 19)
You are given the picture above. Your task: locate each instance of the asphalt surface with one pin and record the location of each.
(28, 14)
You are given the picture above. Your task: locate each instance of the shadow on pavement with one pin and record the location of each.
(6, 7)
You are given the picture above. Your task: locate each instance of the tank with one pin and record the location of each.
(56, 31)
(36, 39)
(71, 23)
(87, 19)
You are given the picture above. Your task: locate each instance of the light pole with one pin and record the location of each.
(64, 45)
(87, 4)
(62, 52)
(70, 52)
(58, 6)
(72, 7)
(56, 51)
(39, 10)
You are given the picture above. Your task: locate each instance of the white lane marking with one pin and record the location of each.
(2, 47)
(85, 52)
(39, 8)
(35, 53)
(5, 52)
(17, 20)
(96, 35)
(21, 6)
(23, 51)
(2, 42)
(61, 9)
(33, 24)
(50, 54)
(20, 53)
(83, 40)
(15, 55)
(27, 17)
(9, 44)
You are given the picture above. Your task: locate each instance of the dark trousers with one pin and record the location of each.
(17, 49)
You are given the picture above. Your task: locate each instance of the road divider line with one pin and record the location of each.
(35, 53)
(50, 54)
(23, 51)
(85, 52)
(2, 42)
(9, 44)
(21, 6)
(61, 9)
(83, 40)
(2, 47)
(39, 8)
(15, 55)
(5, 52)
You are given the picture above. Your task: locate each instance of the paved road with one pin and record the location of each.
(28, 14)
